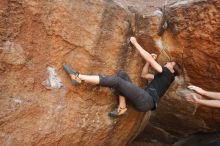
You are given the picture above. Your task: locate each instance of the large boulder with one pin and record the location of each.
(38, 104)
(188, 33)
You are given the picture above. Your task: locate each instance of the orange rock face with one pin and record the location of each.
(38, 104)
(192, 38)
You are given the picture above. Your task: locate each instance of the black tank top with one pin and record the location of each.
(161, 81)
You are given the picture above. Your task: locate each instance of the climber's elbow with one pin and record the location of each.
(147, 76)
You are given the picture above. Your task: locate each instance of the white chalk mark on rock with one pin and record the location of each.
(159, 44)
(158, 13)
(180, 3)
(18, 101)
(53, 81)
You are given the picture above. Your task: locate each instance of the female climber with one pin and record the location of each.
(213, 101)
(143, 99)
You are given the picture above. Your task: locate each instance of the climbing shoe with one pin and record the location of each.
(73, 74)
(118, 112)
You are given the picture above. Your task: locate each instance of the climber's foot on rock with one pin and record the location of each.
(73, 74)
(118, 112)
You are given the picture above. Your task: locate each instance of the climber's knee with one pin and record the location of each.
(122, 74)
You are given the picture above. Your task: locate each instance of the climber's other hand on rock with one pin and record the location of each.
(192, 98)
(197, 89)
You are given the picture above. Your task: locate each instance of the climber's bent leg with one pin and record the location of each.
(121, 109)
(122, 74)
(139, 97)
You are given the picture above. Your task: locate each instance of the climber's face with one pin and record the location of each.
(170, 65)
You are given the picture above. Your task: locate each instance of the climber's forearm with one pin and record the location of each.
(147, 56)
(143, 53)
(145, 74)
(145, 69)
(213, 95)
(210, 103)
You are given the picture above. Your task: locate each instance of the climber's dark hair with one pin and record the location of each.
(177, 68)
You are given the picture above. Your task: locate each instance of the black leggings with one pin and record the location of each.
(141, 99)
(123, 75)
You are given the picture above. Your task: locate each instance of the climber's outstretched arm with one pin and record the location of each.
(206, 102)
(213, 95)
(147, 56)
(211, 103)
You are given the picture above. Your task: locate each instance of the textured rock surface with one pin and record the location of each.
(192, 37)
(39, 106)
